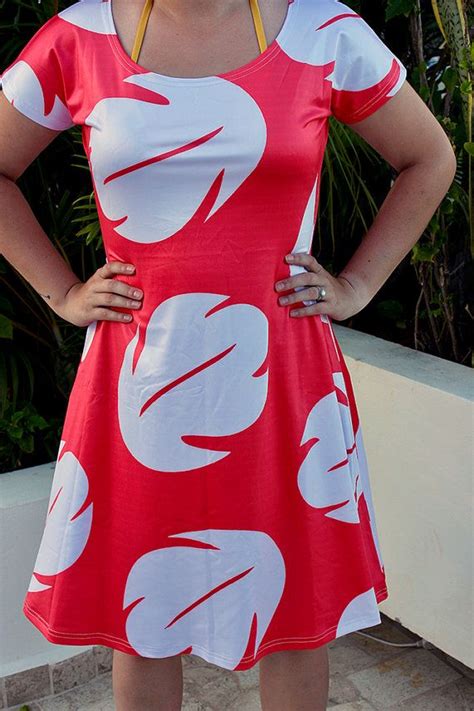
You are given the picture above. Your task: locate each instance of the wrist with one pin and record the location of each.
(69, 289)
(57, 302)
(358, 286)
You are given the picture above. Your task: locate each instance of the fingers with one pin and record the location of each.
(310, 293)
(308, 261)
(301, 281)
(306, 295)
(314, 276)
(110, 299)
(108, 269)
(307, 282)
(100, 313)
(321, 308)
(108, 292)
(305, 286)
(117, 293)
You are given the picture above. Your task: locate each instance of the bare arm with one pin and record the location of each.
(409, 137)
(23, 242)
(26, 246)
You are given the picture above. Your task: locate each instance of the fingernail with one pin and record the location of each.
(130, 268)
(137, 293)
(289, 257)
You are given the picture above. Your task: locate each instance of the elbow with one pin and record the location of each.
(442, 163)
(446, 158)
(450, 166)
(448, 161)
(5, 178)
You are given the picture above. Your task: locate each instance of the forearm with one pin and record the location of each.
(398, 225)
(28, 248)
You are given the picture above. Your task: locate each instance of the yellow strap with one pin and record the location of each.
(142, 22)
(145, 14)
(257, 21)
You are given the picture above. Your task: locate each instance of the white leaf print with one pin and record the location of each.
(66, 533)
(87, 14)
(206, 597)
(194, 376)
(21, 84)
(323, 28)
(335, 469)
(361, 609)
(325, 319)
(329, 474)
(155, 185)
(89, 337)
(305, 237)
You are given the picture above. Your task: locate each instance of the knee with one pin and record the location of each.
(296, 656)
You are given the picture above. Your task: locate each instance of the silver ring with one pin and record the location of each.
(321, 295)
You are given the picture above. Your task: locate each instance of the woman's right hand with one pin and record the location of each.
(91, 300)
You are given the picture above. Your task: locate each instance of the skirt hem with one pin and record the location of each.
(285, 643)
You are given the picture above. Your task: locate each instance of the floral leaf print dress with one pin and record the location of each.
(211, 492)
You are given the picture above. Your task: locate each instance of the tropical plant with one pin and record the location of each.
(425, 303)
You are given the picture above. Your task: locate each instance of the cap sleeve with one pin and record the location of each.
(34, 81)
(366, 74)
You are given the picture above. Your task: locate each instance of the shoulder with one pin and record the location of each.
(321, 12)
(41, 80)
(314, 28)
(62, 27)
(87, 15)
(322, 31)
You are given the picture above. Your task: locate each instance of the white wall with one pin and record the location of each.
(24, 496)
(417, 421)
(416, 417)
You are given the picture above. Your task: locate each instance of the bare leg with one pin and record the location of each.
(144, 684)
(295, 680)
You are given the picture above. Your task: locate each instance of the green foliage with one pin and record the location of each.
(17, 429)
(395, 8)
(431, 282)
(39, 351)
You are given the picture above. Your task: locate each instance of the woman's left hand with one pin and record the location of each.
(340, 302)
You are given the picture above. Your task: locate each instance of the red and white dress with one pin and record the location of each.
(211, 492)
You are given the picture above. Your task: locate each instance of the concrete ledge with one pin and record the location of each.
(424, 368)
(416, 416)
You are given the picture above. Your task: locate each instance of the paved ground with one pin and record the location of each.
(366, 675)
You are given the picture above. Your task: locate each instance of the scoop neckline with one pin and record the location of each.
(251, 66)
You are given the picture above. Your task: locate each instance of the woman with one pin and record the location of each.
(211, 494)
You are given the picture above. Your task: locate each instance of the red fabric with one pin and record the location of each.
(211, 492)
